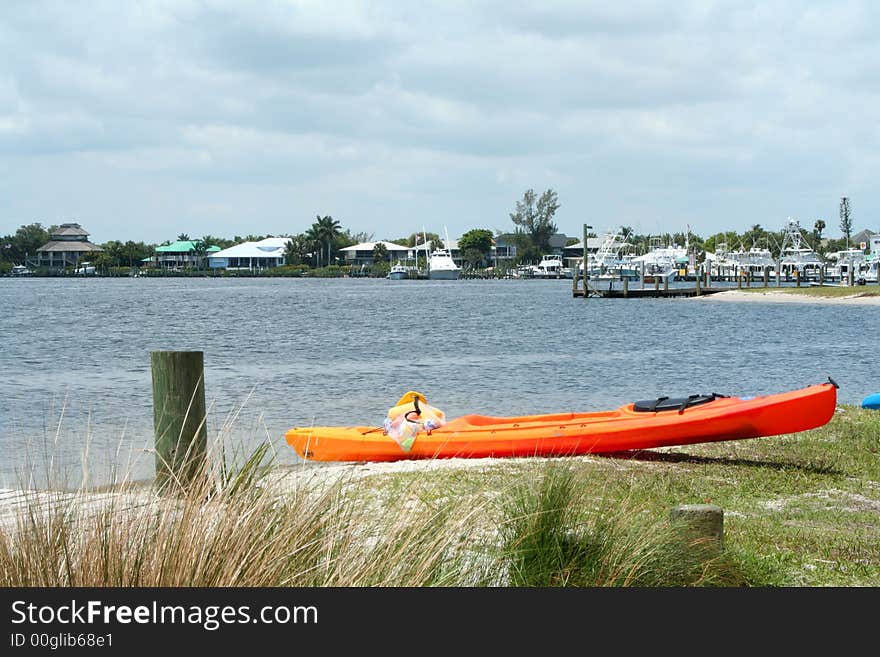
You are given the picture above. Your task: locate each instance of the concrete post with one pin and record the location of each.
(701, 526)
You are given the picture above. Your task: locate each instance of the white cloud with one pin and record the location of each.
(393, 114)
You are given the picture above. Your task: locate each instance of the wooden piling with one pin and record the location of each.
(766, 276)
(625, 286)
(181, 436)
(698, 277)
(821, 276)
(797, 277)
(700, 526)
(739, 280)
(586, 262)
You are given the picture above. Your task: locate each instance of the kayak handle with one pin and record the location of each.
(417, 410)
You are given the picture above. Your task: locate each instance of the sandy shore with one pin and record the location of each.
(15, 504)
(783, 297)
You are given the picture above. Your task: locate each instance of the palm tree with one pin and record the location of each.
(296, 250)
(200, 250)
(380, 252)
(327, 230)
(313, 238)
(756, 233)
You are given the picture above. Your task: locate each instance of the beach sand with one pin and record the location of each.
(784, 297)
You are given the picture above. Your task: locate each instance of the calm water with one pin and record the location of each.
(75, 381)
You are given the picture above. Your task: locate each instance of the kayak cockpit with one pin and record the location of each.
(475, 420)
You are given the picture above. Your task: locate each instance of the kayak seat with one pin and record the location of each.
(673, 403)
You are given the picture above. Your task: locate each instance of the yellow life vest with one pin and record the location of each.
(409, 416)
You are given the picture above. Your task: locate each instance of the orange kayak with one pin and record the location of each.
(639, 425)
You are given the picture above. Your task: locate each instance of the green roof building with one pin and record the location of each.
(182, 254)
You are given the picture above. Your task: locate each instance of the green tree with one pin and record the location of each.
(102, 261)
(313, 238)
(113, 254)
(24, 243)
(212, 240)
(183, 237)
(347, 238)
(200, 251)
(528, 254)
(296, 250)
(325, 232)
(534, 217)
(476, 246)
(380, 252)
(818, 229)
(418, 239)
(845, 218)
(755, 235)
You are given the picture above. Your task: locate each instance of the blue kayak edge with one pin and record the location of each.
(872, 401)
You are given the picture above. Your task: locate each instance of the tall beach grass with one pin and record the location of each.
(800, 510)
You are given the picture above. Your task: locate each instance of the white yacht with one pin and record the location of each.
(441, 266)
(869, 273)
(608, 264)
(850, 260)
(551, 266)
(721, 262)
(21, 270)
(796, 254)
(755, 261)
(660, 262)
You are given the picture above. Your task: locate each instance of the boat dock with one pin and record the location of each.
(625, 288)
(649, 292)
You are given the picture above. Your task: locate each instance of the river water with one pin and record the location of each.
(75, 380)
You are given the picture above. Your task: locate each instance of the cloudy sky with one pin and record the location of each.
(145, 120)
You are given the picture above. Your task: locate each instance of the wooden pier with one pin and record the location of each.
(623, 289)
(649, 292)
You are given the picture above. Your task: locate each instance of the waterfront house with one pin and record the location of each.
(504, 248)
(182, 254)
(266, 253)
(866, 240)
(362, 254)
(574, 253)
(68, 245)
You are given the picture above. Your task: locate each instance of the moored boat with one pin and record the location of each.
(609, 264)
(660, 263)
(639, 425)
(398, 272)
(551, 266)
(21, 270)
(441, 266)
(797, 257)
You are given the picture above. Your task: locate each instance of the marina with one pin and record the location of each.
(285, 352)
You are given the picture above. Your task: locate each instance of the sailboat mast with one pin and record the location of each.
(427, 253)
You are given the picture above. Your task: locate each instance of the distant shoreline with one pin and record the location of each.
(788, 297)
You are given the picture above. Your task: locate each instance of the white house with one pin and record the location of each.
(266, 253)
(362, 253)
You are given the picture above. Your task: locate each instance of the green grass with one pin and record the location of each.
(799, 510)
(830, 291)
